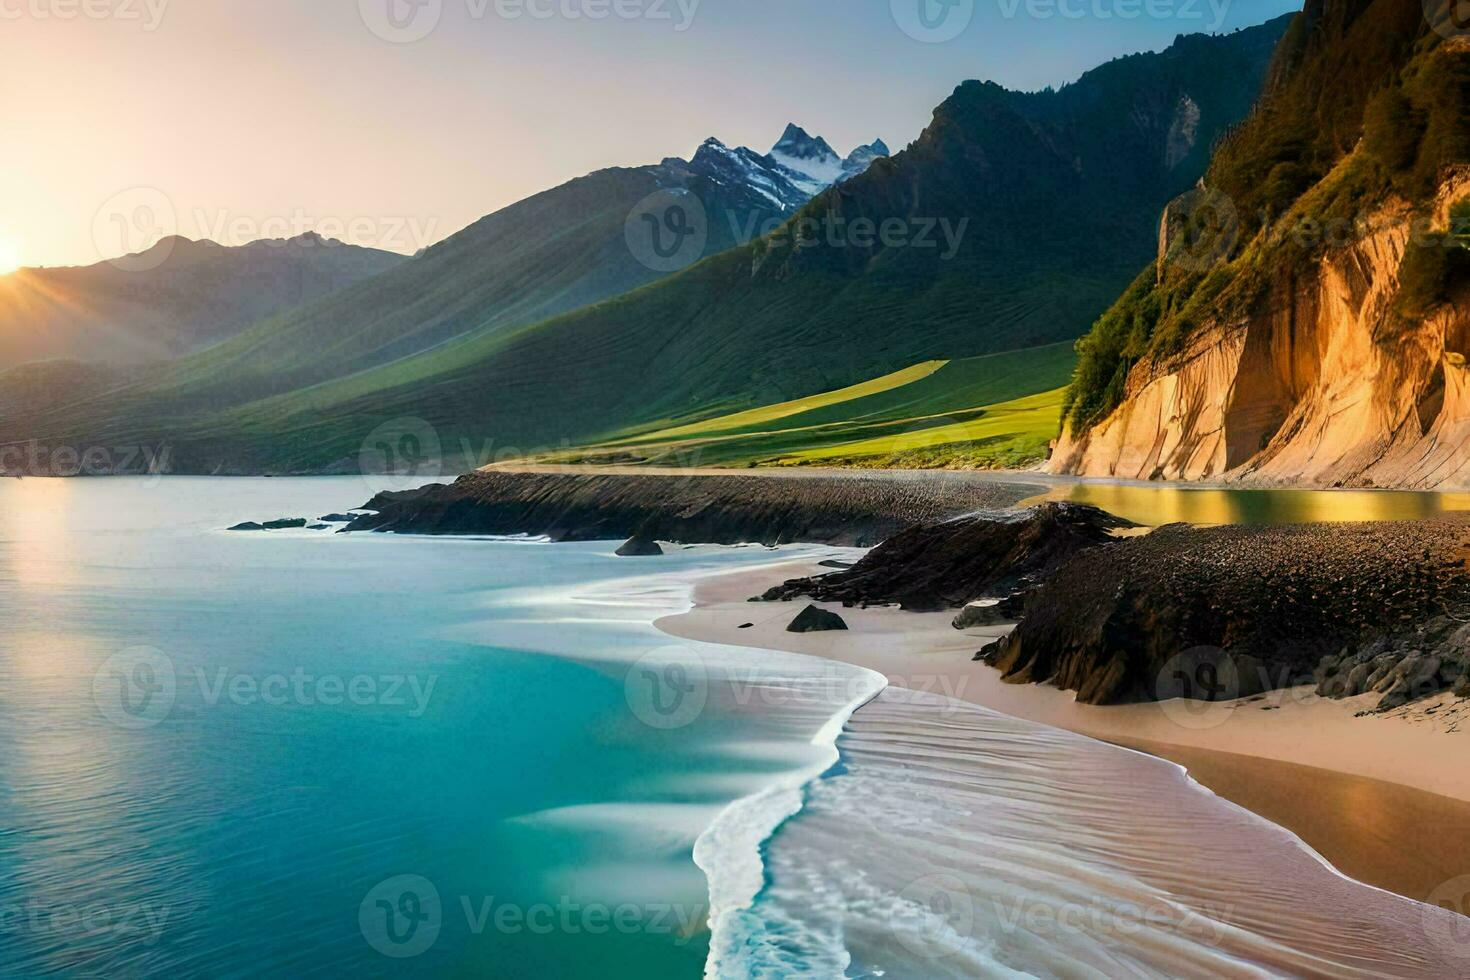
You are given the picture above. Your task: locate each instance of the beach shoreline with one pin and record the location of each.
(1365, 793)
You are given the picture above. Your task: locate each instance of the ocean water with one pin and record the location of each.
(302, 753)
(310, 754)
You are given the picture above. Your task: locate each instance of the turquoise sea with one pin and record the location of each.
(303, 753)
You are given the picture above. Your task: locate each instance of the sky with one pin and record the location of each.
(395, 123)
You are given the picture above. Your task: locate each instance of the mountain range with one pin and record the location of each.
(556, 251)
(176, 297)
(1012, 222)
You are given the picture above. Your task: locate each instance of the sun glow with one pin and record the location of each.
(9, 254)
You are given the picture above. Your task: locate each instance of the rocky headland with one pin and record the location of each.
(1225, 612)
(1212, 614)
(735, 508)
(943, 566)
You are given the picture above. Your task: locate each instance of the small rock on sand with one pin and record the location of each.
(985, 613)
(814, 620)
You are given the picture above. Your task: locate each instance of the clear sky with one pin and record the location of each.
(240, 119)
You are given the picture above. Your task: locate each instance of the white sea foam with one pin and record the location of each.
(929, 838)
(730, 850)
(957, 842)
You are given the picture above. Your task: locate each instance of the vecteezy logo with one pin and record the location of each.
(401, 917)
(667, 230)
(401, 21)
(135, 688)
(1198, 688)
(932, 21)
(406, 451)
(1201, 228)
(667, 688)
(133, 229)
(1449, 18)
(938, 916)
(1446, 918)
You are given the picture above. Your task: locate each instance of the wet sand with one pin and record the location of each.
(1384, 799)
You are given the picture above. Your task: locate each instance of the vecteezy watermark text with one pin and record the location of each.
(396, 233)
(33, 458)
(138, 687)
(937, 21)
(403, 916)
(34, 918)
(407, 21)
(1185, 10)
(148, 13)
(838, 231)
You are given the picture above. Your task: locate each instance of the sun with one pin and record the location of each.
(9, 254)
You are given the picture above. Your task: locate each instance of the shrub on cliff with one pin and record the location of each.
(1367, 104)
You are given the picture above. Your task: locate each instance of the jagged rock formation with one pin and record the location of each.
(944, 566)
(1308, 316)
(1232, 610)
(713, 509)
(1404, 668)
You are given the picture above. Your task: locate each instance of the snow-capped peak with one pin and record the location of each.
(807, 154)
(800, 167)
(862, 158)
(742, 166)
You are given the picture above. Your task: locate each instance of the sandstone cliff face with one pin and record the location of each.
(1320, 384)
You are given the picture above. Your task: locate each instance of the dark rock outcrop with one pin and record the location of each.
(338, 518)
(280, 525)
(769, 508)
(1420, 662)
(638, 546)
(943, 566)
(815, 620)
(1218, 613)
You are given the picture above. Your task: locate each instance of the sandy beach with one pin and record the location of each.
(1365, 793)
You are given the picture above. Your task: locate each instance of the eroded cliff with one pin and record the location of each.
(1308, 317)
(1323, 381)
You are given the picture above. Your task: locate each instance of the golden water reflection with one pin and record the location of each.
(1156, 505)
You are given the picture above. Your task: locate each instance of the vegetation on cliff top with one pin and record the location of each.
(1366, 104)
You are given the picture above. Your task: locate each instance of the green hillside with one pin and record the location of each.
(1015, 218)
(999, 410)
(556, 251)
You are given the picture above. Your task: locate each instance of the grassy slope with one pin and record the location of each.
(1061, 191)
(1000, 410)
(553, 252)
